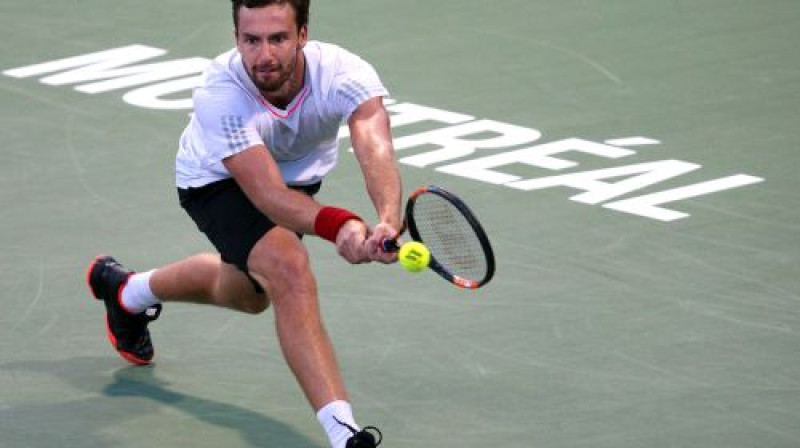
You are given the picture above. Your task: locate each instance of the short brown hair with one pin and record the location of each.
(300, 9)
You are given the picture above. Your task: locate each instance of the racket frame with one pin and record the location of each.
(434, 265)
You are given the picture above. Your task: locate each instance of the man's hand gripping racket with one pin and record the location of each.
(460, 251)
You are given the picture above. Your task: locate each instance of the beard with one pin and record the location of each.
(270, 80)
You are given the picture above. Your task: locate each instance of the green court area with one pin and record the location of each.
(634, 162)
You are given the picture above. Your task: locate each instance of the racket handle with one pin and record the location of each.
(389, 245)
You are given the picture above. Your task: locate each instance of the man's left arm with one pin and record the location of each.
(370, 134)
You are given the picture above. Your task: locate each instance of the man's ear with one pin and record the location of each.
(302, 36)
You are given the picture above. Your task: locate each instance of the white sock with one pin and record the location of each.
(337, 432)
(136, 295)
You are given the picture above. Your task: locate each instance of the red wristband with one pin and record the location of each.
(329, 220)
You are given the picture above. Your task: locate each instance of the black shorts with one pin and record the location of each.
(231, 222)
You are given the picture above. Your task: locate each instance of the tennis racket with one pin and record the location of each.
(460, 249)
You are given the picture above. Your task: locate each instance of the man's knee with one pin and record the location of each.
(234, 289)
(255, 305)
(282, 269)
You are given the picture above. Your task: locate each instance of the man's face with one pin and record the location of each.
(270, 45)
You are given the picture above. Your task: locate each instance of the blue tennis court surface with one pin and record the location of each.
(635, 164)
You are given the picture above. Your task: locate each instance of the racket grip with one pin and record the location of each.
(389, 245)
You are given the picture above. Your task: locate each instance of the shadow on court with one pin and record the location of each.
(132, 392)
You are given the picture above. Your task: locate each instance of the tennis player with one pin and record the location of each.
(262, 138)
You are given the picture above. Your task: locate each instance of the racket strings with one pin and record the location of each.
(450, 237)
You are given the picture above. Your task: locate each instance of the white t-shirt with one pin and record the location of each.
(230, 115)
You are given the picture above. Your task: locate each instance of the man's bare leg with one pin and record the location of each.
(279, 262)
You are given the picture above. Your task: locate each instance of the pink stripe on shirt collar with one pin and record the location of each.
(279, 113)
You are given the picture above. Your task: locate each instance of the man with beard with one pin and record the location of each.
(262, 137)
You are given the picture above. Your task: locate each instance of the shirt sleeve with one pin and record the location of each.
(355, 82)
(226, 121)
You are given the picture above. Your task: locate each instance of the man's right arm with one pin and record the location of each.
(257, 173)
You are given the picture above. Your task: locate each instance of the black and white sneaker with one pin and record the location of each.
(364, 438)
(127, 332)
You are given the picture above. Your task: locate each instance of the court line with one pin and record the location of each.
(79, 169)
(606, 72)
(34, 302)
(43, 98)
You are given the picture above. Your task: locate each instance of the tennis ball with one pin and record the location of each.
(414, 256)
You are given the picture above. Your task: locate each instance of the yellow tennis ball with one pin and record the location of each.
(414, 256)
